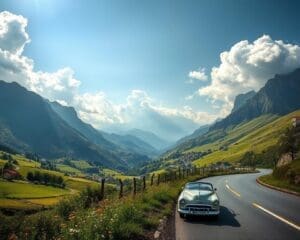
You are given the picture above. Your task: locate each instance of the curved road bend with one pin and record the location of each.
(248, 211)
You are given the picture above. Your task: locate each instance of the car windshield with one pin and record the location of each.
(199, 186)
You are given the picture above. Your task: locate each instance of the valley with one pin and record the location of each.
(149, 120)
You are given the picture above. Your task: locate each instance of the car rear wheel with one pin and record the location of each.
(181, 215)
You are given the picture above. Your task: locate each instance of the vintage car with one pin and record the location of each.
(198, 198)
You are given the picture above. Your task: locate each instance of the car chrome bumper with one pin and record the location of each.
(211, 212)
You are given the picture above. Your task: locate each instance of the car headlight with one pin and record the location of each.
(182, 203)
(215, 203)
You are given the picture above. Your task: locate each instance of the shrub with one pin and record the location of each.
(280, 172)
(66, 206)
(42, 226)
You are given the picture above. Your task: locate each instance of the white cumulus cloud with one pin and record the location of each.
(14, 67)
(247, 66)
(13, 36)
(198, 75)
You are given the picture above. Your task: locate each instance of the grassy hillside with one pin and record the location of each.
(231, 144)
(256, 135)
(68, 169)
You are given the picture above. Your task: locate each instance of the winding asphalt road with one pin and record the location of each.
(248, 211)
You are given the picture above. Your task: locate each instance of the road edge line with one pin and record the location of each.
(277, 188)
(282, 219)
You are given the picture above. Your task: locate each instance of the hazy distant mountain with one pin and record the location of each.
(166, 127)
(197, 133)
(70, 116)
(28, 123)
(149, 137)
(129, 148)
(280, 95)
(131, 143)
(241, 99)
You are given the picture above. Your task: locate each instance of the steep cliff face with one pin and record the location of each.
(280, 95)
(241, 99)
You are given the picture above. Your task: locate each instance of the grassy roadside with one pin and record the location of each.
(126, 218)
(284, 176)
(280, 183)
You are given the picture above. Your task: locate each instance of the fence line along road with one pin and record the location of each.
(173, 175)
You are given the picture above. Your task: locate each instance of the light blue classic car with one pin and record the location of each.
(198, 198)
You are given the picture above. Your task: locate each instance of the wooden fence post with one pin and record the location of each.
(158, 179)
(179, 173)
(134, 186)
(102, 188)
(152, 177)
(175, 175)
(121, 188)
(144, 183)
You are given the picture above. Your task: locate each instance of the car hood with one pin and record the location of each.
(199, 196)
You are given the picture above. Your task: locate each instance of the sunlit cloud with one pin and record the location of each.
(247, 66)
(138, 109)
(198, 75)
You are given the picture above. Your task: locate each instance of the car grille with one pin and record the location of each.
(194, 207)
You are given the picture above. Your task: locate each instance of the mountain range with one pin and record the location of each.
(123, 145)
(29, 123)
(152, 139)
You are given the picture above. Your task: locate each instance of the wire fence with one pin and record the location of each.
(140, 184)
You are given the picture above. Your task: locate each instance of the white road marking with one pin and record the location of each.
(277, 216)
(234, 192)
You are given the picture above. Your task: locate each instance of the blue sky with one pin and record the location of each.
(117, 46)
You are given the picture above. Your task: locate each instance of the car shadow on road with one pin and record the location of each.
(226, 218)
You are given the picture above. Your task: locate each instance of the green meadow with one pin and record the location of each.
(23, 190)
(24, 195)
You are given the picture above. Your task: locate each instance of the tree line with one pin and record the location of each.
(46, 179)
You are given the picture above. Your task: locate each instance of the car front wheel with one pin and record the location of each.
(181, 215)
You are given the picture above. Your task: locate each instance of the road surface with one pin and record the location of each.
(248, 211)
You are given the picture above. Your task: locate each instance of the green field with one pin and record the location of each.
(25, 195)
(23, 190)
(80, 184)
(115, 174)
(81, 164)
(68, 169)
